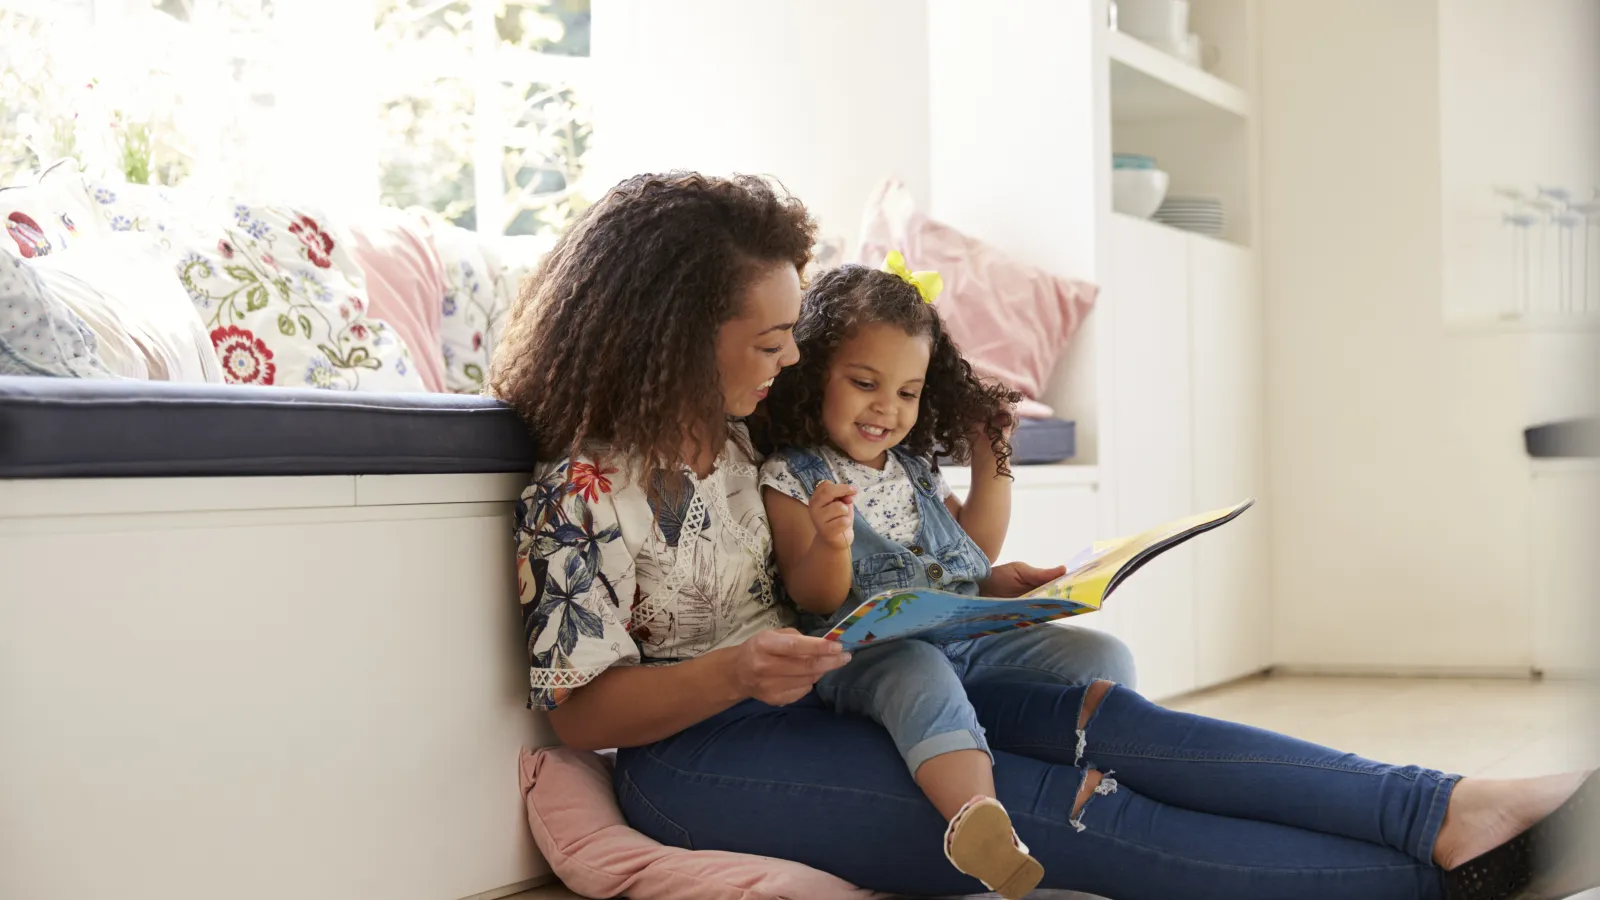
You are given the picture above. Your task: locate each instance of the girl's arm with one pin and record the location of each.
(813, 544)
(986, 516)
(629, 706)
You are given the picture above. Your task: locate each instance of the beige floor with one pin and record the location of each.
(1482, 728)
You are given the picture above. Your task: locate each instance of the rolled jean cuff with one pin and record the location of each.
(940, 744)
(1445, 788)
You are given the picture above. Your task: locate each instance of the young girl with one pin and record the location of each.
(857, 506)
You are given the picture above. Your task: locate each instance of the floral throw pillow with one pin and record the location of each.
(38, 334)
(173, 218)
(133, 207)
(47, 216)
(473, 308)
(285, 304)
(512, 259)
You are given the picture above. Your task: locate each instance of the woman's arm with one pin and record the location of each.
(986, 516)
(628, 706)
(813, 545)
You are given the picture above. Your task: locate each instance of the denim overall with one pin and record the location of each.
(912, 688)
(943, 557)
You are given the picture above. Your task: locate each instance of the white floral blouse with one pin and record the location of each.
(610, 574)
(885, 498)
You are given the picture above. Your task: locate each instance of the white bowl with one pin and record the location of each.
(1153, 21)
(1138, 192)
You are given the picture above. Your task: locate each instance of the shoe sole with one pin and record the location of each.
(983, 848)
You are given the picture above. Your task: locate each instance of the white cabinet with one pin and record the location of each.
(1054, 511)
(1232, 628)
(1564, 589)
(1166, 377)
(1152, 445)
(1188, 435)
(1185, 358)
(1050, 523)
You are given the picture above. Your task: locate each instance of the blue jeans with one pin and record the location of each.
(1191, 807)
(918, 691)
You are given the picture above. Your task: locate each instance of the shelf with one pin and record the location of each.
(1524, 323)
(1183, 231)
(1149, 84)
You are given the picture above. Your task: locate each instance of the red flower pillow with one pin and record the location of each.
(285, 303)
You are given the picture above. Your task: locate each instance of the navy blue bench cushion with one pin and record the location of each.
(1038, 442)
(1043, 441)
(71, 428)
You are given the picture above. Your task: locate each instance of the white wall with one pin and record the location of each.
(1402, 490)
(1009, 95)
(1519, 104)
(829, 95)
(1010, 102)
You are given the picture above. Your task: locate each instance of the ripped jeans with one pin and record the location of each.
(1189, 807)
(918, 691)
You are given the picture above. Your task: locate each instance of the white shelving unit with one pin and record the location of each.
(1150, 84)
(1165, 379)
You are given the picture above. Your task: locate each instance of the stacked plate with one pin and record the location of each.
(1199, 214)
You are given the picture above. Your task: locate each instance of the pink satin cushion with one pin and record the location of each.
(405, 285)
(581, 832)
(1011, 320)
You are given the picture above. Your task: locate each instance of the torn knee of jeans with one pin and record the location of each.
(1106, 787)
(1085, 722)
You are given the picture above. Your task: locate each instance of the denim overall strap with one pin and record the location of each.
(810, 468)
(951, 560)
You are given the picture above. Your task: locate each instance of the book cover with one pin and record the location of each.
(942, 618)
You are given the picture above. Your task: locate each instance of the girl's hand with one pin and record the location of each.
(1016, 579)
(978, 437)
(779, 667)
(833, 514)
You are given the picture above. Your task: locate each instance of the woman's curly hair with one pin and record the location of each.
(609, 348)
(954, 401)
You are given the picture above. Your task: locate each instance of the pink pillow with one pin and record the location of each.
(1011, 320)
(581, 832)
(405, 286)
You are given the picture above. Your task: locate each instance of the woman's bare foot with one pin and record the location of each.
(1486, 812)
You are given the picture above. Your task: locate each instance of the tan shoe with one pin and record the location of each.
(980, 842)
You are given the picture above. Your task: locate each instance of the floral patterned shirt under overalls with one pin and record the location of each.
(942, 556)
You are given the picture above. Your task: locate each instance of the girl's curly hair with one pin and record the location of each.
(954, 402)
(609, 346)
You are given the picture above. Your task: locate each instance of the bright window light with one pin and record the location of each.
(474, 109)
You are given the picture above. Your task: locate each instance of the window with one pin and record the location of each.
(472, 108)
(481, 115)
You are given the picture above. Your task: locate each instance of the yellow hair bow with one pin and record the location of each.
(928, 284)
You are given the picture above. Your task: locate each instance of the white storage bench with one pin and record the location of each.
(259, 686)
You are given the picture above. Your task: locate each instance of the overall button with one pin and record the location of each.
(926, 484)
(935, 571)
(915, 549)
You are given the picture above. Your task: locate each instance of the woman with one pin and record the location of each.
(659, 320)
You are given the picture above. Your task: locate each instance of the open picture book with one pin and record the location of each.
(942, 618)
